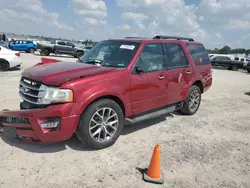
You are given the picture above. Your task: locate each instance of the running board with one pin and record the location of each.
(154, 114)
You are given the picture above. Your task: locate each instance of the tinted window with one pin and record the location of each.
(69, 44)
(199, 54)
(242, 59)
(237, 59)
(221, 58)
(175, 56)
(151, 58)
(61, 43)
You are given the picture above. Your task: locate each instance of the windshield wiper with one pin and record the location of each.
(94, 62)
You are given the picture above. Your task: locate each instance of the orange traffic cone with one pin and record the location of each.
(154, 174)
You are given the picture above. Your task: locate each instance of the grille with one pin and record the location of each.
(30, 91)
(15, 120)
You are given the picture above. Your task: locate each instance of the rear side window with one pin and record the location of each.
(199, 54)
(237, 59)
(175, 56)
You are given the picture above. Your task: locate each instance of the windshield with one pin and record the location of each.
(111, 53)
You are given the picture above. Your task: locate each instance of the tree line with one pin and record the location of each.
(227, 50)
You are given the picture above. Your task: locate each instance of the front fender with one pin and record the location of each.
(92, 94)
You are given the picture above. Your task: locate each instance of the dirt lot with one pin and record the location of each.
(209, 149)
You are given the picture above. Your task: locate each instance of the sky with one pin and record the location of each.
(215, 23)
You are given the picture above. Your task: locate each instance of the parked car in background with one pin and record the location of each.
(4, 44)
(244, 60)
(60, 47)
(23, 45)
(116, 82)
(9, 59)
(227, 62)
(211, 56)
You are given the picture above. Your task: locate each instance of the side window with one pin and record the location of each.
(151, 58)
(61, 43)
(221, 58)
(236, 59)
(175, 56)
(199, 54)
(242, 59)
(225, 58)
(69, 44)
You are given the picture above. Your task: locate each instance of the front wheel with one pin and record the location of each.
(31, 50)
(101, 124)
(45, 52)
(192, 102)
(79, 54)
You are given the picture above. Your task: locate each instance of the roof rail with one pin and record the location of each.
(135, 37)
(172, 37)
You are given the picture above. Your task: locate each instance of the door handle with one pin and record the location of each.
(188, 72)
(161, 77)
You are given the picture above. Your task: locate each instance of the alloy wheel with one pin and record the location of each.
(194, 100)
(103, 124)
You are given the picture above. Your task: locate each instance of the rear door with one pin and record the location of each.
(177, 73)
(69, 48)
(148, 87)
(60, 47)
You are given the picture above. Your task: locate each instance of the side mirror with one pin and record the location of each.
(73, 46)
(138, 70)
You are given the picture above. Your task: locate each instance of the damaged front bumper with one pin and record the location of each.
(46, 125)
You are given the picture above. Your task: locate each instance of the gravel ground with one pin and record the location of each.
(209, 149)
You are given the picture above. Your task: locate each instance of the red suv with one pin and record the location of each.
(117, 82)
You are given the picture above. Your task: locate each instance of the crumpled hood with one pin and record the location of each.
(61, 72)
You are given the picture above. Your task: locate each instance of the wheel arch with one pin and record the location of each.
(2, 59)
(199, 84)
(113, 97)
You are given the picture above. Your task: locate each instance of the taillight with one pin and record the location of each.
(17, 54)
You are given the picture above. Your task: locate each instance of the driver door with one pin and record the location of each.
(148, 85)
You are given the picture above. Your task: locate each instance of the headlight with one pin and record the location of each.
(56, 95)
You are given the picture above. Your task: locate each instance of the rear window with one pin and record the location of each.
(199, 54)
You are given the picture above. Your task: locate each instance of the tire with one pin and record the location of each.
(79, 54)
(248, 70)
(186, 109)
(235, 67)
(4, 65)
(45, 52)
(31, 50)
(84, 132)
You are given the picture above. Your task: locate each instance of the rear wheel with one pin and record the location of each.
(100, 124)
(192, 102)
(4, 65)
(235, 67)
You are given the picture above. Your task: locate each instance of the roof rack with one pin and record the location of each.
(172, 37)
